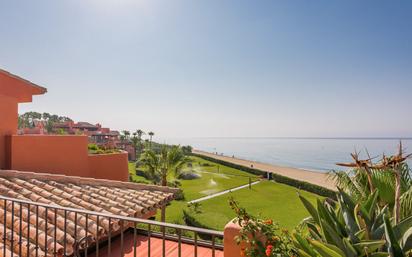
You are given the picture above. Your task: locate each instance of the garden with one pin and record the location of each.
(267, 198)
(369, 215)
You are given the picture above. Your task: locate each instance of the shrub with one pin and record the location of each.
(190, 220)
(187, 149)
(195, 207)
(180, 195)
(93, 147)
(141, 173)
(173, 231)
(188, 176)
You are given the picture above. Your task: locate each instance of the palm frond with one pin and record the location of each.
(406, 204)
(348, 183)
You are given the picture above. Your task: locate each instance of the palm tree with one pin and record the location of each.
(135, 142)
(160, 166)
(394, 165)
(140, 133)
(126, 134)
(151, 134)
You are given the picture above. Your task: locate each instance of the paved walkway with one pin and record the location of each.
(222, 193)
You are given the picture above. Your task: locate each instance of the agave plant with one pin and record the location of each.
(350, 228)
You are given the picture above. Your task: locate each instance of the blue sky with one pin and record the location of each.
(217, 68)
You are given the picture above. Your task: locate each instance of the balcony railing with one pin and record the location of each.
(37, 229)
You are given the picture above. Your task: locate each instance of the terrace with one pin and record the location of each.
(56, 215)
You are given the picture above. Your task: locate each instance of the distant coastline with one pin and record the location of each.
(326, 138)
(308, 154)
(199, 151)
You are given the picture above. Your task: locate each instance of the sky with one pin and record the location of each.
(217, 68)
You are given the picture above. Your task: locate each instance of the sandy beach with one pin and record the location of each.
(316, 178)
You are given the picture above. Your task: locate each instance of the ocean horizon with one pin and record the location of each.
(309, 153)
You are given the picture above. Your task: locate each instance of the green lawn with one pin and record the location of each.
(272, 200)
(214, 178)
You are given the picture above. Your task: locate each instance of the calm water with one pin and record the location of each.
(313, 154)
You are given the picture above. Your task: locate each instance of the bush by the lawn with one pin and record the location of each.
(189, 176)
(190, 220)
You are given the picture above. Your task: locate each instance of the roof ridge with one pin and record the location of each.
(43, 89)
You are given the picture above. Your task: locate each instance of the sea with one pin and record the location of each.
(316, 154)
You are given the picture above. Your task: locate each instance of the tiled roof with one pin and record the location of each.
(82, 124)
(99, 133)
(103, 196)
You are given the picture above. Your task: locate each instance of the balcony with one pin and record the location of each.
(136, 237)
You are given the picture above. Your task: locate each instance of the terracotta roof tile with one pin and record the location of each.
(103, 196)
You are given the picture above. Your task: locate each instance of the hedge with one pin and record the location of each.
(302, 185)
(191, 221)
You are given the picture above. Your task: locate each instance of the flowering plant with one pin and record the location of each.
(259, 237)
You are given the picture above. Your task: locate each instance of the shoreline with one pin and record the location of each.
(313, 177)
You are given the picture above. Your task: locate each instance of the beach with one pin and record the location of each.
(312, 177)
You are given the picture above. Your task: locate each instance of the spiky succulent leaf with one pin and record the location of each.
(350, 251)
(332, 234)
(394, 248)
(350, 222)
(310, 208)
(403, 232)
(305, 254)
(369, 246)
(303, 245)
(326, 250)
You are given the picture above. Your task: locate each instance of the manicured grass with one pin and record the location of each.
(277, 201)
(268, 199)
(214, 178)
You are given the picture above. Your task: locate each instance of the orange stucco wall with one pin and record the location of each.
(231, 231)
(109, 166)
(66, 155)
(8, 126)
(51, 154)
(231, 248)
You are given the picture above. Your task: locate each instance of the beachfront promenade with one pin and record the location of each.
(313, 177)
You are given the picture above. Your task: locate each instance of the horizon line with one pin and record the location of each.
(288, 137)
